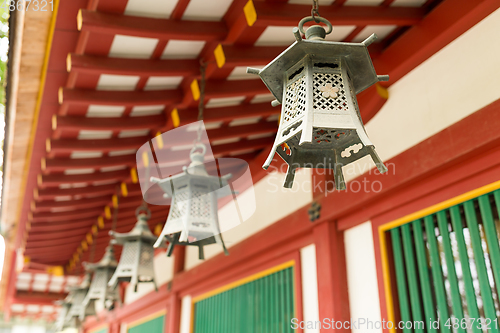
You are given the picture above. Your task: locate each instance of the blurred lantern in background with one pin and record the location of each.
(99, 292)
(73, 305)
(316, 81)
(137, 260)
(193, 216)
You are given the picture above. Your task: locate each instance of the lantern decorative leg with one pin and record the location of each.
(270, 157)
(170, 249)
(201, 254)
(290, 175)
(338, 176)
(378, 162)
(219, 240)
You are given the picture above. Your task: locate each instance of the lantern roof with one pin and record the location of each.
(355, 55)
(195, 170)
(140, 231)
(107, 261)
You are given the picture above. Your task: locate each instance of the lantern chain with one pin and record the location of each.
(115, 211)
(315, 11)
(201, 104)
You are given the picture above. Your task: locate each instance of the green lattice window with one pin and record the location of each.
(447, 265)
(265, 305)
(153, 325)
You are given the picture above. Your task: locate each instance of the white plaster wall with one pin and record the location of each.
(273, 202)
(309, 276)
(163, 272)
(185, 324)
(455, 82)
(362, 276)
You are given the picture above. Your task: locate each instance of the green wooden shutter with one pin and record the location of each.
(155, 325)
(265, 305)
(102, 330)
(447, 265)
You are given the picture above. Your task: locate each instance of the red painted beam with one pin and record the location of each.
(127, 98)
(51, 193)
(225, 88)
(283, 14)
(53, 180)
(47, 206)
(239, 55)
(229, 113)
(66, 216)
(163, 29)
(446, 22)
(107, 124)
(61, 164)
(67, 146)
(87, 64)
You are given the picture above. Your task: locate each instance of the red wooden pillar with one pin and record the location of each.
(332, 275)
(174, 300)
(114, 327)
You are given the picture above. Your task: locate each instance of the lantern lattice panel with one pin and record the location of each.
(179, 203)
(147, 253)
(295, 100)
(201, 203)
(129, 253)
(322, 103)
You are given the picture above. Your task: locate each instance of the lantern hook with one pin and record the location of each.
(143, 209)
(196, 146)
(316, 19)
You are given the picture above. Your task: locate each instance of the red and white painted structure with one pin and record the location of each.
(120, 71)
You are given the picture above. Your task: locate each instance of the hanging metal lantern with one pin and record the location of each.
(137, 260)
(77, 311)
(99, 292)
(193, 216)
(59, 325)
(316, 81)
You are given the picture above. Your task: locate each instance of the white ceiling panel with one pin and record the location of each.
(382, 31)
(163, 82)
(78, 171)
(132, 47)
(308, 2)
(90, 135)
(263, 98)
(276, 36)
(240, 73)
(133, 133)
(203, 10)
(104, 111)
(117, 82)
(122, 152)
(227, 101)
(340, 32)
(408, 3)
(245, 121)
(146, 110)
(363, 2)
(182, 49)
(86, 154)
(224, 141)
(151, 8)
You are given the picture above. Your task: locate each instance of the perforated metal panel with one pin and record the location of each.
(321, 83)
(295, 100)
(265, 305)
